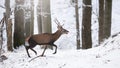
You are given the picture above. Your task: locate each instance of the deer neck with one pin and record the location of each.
(57, 34)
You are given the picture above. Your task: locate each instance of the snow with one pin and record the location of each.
(107, 55)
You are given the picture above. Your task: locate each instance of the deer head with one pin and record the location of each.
(60, 27)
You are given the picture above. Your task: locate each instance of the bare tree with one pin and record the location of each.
(101, 20)
(29, 19)
(2, 23)
(19, 24)
(105, 14)
(8, 25)
(39, 14)
(107, 18)
(1, 34)
(44, 17)
(86, 25)
(77, 24)
(32, 18)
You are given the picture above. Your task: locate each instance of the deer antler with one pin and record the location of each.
(57, 22)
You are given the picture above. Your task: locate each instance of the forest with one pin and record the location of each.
(79, 33)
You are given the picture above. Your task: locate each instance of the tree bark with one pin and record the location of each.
(105, 12)
(107, 18)
(32, 18)
(77, 24)
(8, 25)
(46, 17)
(1, 34)
(19, 24)
(86, 25)
(39, 18)
(101, 20)
(29, 22)
(9, 35)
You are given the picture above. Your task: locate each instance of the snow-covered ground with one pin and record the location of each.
(104, 56)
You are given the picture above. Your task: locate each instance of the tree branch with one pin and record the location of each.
(35, 58)
(2, 6)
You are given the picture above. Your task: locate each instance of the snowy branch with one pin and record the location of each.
(2, 6)
(84, 5)
(35, 58)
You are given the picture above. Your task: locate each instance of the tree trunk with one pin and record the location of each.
(1, 41)
(27, 27)
(1, 34)
(19, 24)
(77, 24)
(29, 21)
(9, 35)
(46, 17)
(39, 18)
(32, 18)
(8, 25)
(101, 20)
(107, 18)
(86, 25)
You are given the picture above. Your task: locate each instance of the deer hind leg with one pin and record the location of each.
(33, 51)
(27, 47)
(32, 44)
(30, 47)
(55, 48)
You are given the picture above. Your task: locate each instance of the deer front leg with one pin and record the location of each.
(44, 50)
(55, 49)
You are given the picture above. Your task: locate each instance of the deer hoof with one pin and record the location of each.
(42, 56)
(54, 53)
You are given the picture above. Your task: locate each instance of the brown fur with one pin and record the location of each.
(44, 39)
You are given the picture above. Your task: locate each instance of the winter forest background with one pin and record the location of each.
(93, 40)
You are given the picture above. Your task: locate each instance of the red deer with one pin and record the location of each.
(45, 39)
